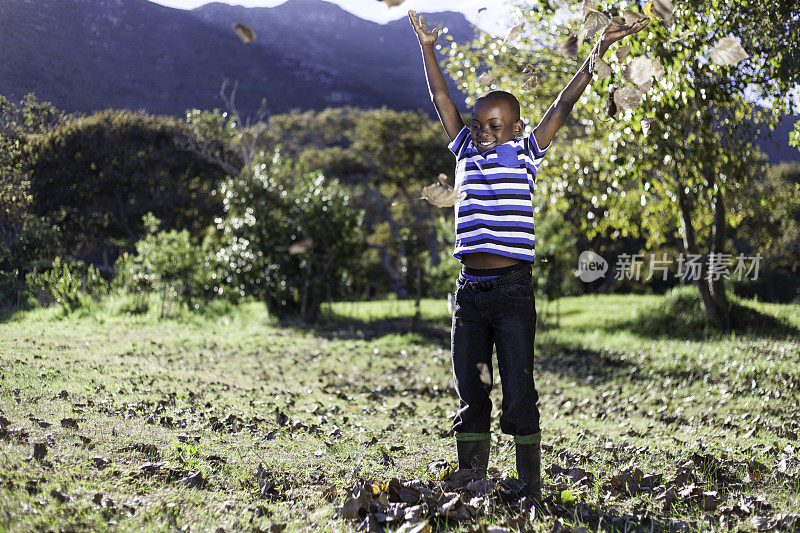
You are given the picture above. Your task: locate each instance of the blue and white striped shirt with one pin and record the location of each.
(497, 214)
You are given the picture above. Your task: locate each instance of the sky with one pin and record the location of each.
(494, 18)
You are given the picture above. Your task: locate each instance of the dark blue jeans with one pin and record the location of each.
(499, 312)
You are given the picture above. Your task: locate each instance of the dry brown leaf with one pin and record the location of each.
(728, 52)
(486, 77)
(530, 69)
(632, 17)
(611, 106)
(486, 376)
(646, 125)
(245, 33)
(589, 6)
(622, 52)
(514, 33)
(640, 72)
(570, 46)
(530, 84)
(441, 194)
(682, 37)
(595, 21)
(662, 9)
(627, 97)
(393, 3)
(301, 247)
(602, 68)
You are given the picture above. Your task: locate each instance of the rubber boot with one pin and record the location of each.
(473, 455)
(529, 469)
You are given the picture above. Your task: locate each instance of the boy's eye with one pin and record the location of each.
(496, 127)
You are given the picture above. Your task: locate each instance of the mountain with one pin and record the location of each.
(85, 55)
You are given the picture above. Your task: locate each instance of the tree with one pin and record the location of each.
(292, 241)
(691, 176)
(96, 177)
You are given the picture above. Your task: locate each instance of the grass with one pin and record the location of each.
(368, 396)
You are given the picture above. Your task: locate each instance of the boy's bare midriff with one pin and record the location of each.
(484, 260)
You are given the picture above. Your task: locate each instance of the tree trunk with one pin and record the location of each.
(717, 286)
(712, 311)
(400, 287)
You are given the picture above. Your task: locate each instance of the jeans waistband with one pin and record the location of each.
(521, 273)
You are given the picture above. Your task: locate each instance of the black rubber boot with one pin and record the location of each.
(529, 469)
(473, 455)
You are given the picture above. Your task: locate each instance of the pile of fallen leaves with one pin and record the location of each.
(446, 498)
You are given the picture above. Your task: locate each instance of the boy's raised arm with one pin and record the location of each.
(560, 109)
(447, 110)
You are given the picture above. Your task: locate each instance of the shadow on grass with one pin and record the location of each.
(434, 331)
(580, 363)
(679, 315)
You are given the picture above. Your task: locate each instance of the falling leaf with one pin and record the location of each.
(530, 84)
(570, 46)
(662, 9)
(441, 194)
(632, 17)
(627, 98)
(301, 247)
(245, 33)
(622, 52)
(530, 69)
(589, 7)
(485, 78)
(641, 71)
(602, 68)
(682, 37)
(728, 52)
(392, 3)
(486, 376)
(595, 21)
(646, 125)
(514, 33)
(611, 106)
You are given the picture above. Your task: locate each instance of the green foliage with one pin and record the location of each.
(266, 214)
(794, 136)
(169, 264)
(66, 283)
(698, 159)
(96, 176)
(556, 254)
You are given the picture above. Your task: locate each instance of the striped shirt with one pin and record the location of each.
(497, 214)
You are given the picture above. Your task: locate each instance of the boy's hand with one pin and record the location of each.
(424, 36)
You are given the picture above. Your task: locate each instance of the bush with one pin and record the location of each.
(67, 283)
(291, 241)
(168, 263)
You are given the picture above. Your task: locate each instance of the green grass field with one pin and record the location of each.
(229, 421)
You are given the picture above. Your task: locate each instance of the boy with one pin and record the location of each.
(495, 243)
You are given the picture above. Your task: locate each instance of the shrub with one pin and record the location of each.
(292, 241)
(67, 283)
(166, 262)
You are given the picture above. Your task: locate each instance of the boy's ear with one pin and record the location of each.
(519, 127)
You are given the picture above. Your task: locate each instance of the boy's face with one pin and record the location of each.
(493, 123)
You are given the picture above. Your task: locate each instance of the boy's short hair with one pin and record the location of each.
(503, 97)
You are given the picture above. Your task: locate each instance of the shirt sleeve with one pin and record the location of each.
(459, 145)
(536, 153)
